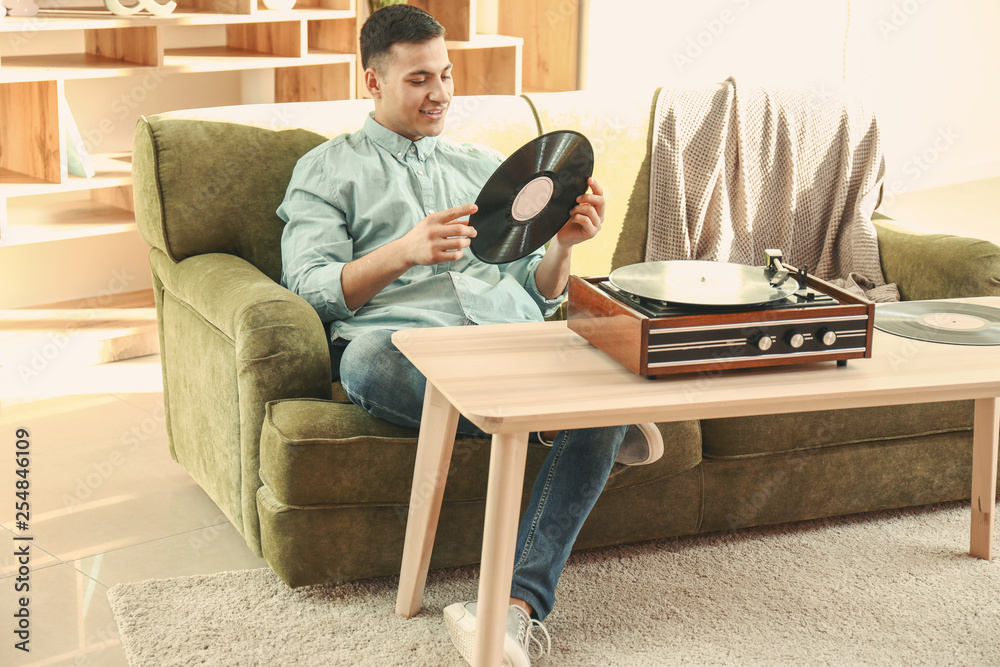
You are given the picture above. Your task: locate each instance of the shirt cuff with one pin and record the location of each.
(547, 306)
(328, 297)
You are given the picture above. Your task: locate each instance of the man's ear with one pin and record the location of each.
(372, 83)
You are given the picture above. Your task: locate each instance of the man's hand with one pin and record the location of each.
(585, 218)
(584, 222)
(440, 237)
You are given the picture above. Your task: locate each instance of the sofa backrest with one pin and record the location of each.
(619, 128)
(210, 180)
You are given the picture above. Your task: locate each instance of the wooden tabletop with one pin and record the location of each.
(509, 378)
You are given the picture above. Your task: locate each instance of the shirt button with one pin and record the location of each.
(421, 173)
(413, 148)
(399, 155)
(458, 277)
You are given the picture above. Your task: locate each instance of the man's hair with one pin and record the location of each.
(392, 25)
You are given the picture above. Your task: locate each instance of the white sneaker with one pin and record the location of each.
(520, 646)
(641, 445)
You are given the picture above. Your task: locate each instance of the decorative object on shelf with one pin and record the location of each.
(375, 5)
(78, 160)
(279, 5)
(19, 7)
(151, 6)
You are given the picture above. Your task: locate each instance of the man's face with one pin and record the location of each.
(413, 92)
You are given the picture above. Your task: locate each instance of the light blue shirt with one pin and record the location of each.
(359, 191)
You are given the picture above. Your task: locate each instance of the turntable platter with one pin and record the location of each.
(696, 282)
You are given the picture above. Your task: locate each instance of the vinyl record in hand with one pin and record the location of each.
(529, 197)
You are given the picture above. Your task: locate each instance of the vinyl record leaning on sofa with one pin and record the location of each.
(529, 197)
(941, 322)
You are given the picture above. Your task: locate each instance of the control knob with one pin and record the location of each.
(794, 338)
(762, 342)
(827, 336)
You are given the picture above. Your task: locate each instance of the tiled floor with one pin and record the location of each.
(108, 505)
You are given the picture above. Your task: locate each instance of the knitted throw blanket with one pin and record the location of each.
(735, 171)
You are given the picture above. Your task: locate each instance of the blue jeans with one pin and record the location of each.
(377, 377)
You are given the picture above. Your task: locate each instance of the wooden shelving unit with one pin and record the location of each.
(551, 33)
(312, 50)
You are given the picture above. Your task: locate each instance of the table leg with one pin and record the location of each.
(503, 505)
(434, 446)
(986, 428)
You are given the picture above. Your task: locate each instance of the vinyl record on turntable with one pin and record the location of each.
(940, 322)
(701, 283)
(529, 197)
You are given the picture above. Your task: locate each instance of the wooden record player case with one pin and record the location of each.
(837, 328)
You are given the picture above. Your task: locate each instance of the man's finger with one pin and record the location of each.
(458, 229)
(453, 214)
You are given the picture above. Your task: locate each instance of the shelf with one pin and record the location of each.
(112, 170)
(551, 32)
(221, 58)
(90, 331)
(69, 19)
(484, 42)
(63, 220)
(487, 65)
(47, 213)
(251, 43)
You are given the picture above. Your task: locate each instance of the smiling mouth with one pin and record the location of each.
(433, 113)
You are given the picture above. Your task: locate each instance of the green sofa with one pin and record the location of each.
(320, 488)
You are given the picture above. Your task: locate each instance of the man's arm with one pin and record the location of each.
(552, 273)
(439, 237)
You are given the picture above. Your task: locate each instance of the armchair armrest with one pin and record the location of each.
(233, 340)
(275, 332)
(937, 266)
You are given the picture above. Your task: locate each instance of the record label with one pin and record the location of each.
(534, 197)
(954, 321)
(529, 197)
(940, 322)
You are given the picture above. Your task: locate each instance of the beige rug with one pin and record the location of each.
(890, 588)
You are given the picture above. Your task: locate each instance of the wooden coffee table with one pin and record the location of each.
(513, 379)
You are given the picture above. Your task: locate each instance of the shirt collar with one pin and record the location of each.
(397, 144)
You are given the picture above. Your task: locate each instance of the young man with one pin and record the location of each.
(375, 240)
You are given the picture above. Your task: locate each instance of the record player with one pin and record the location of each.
(666, 317)
(682, 316)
